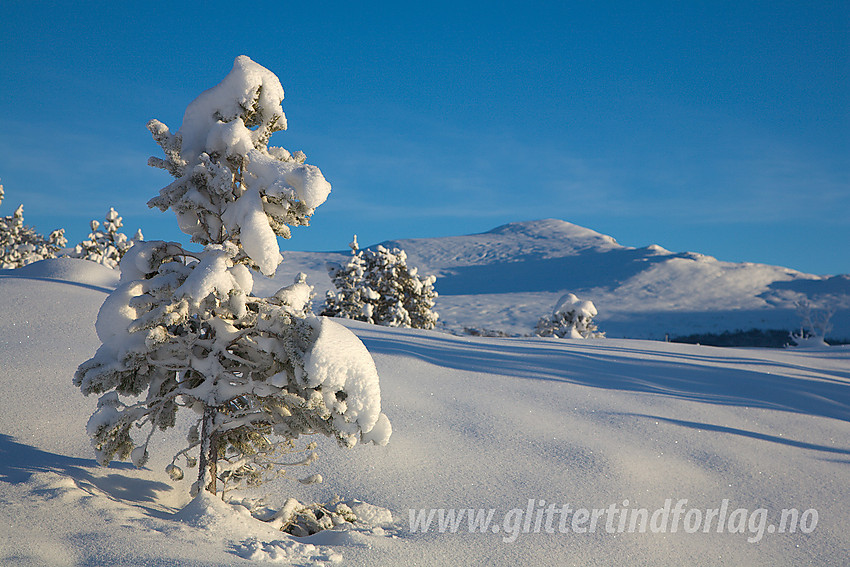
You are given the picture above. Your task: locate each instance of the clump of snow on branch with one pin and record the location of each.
(21, 244)
(571, 318)
(378, 287)
(298, 296)
(184, 330)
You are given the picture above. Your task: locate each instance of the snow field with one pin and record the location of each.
(477, 424)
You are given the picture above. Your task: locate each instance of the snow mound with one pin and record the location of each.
(809, 342)
(210, 513)
(71, 270)
(286, 551)
(370, 514)
(250, 538)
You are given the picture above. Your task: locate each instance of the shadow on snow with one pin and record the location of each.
(715, 379)
(18, 462)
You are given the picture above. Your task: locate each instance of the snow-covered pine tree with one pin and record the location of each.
(105, 244)
(183, 330)
(346, 302)
(21, 244)
(378, 287)
(571, 318)
(401, 298)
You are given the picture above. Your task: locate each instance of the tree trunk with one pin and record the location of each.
(209, 449)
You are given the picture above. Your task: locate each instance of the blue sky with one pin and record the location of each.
(716, 127)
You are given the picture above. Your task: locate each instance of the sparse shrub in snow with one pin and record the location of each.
(572, 318)
(21, 244)
(105, 244)
(476, 332)
(378, 287)
(183, 330)
(815, 323)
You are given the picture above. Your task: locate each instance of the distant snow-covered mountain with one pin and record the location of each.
(505, 279)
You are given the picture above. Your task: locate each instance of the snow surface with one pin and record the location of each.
(478, 423)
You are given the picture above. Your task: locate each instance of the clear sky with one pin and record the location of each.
(715, 127)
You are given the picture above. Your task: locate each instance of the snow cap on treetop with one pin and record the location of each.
(570, 302)
(248, 85)
(230, 185)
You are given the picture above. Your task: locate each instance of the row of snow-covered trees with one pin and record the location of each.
(21, 244)
(375, 285)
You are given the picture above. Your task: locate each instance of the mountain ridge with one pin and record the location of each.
(545, 238)
(647, 292)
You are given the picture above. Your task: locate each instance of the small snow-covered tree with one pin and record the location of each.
(21, 244)
(347, 302)
(105, 244)
(183, 330)
(571, 318)
(815, 323)
(378, 287)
